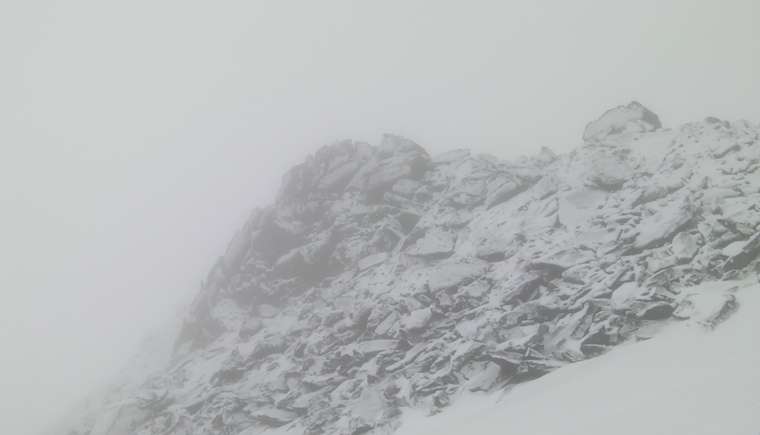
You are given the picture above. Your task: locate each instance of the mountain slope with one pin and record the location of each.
(686, 380)
(384, 279)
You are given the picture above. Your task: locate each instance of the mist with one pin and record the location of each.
(135, 138)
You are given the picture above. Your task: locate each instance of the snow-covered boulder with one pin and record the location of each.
(417, 320)
(436, 243)
(633, 118)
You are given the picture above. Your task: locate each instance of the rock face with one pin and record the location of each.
(383, 278)
(633, 118)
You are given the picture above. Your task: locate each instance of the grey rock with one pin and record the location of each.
(631, 118)
(382, 279)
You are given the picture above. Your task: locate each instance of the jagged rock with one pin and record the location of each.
(523, 289)
(654, 310)
(560, 260)
(436, 244)
(578, 205)
(659, 228)
(399, 158)
(744, 254)
(268, 345)
(607, 170)
(738, 227)
(417, 320)
(451, 276)
(382, 279)
(532, 369)
(274, 417)
(494, 249)
(372, 260)
(385, 327)
(508, 362)
(633, 118)
(503, 192)
(467, 194)
(597, 342)
(359, 318)
(724, 149)
(706, 309)
(486, 377)
(685, 246)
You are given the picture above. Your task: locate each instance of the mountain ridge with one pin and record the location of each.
(384, 278)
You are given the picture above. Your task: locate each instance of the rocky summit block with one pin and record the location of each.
(383, 279)
(633, 118)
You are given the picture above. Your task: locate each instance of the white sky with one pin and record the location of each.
(135, 137)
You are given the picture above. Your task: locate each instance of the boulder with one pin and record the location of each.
(633, 118)
(744, 254)
(451, 276)
(663, 225)
(372, 260)
(494, 248)
(503, 192)
(685, 246)
(417, 320)
(274, 417)
(653, 310)
(706, 309)
(435, 244)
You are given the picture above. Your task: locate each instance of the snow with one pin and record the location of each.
(633, 118)
(417, 320)
(664, 223)
(597, 254)
(686, 380)
(451, 276)
(372, 260)
(734, 248)
(435, 243)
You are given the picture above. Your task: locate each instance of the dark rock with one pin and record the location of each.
(747, 254)
(508, 361)
(274, 417)
(654, 310)
(522, 290)
(708, 310)
(267, 346)
(533, 369)
(597, 342)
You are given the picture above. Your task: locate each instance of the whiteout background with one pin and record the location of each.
(135, 137)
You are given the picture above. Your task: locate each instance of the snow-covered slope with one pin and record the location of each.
(384, 280)
(688, 380)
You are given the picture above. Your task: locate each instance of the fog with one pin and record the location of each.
(135, 137)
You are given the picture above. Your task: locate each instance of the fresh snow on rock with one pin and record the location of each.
(685, 381)
(384, 282)
(633, 118)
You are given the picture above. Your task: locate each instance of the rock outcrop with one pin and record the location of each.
(383, 278)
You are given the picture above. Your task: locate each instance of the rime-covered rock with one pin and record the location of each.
(383, 279)
(633, 118)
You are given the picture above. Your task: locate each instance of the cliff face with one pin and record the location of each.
(384, 278)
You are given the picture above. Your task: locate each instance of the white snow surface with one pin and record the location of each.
(686, 380)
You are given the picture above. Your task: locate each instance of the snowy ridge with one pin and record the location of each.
(384, 279)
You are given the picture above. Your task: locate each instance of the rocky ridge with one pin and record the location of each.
(383, 278)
